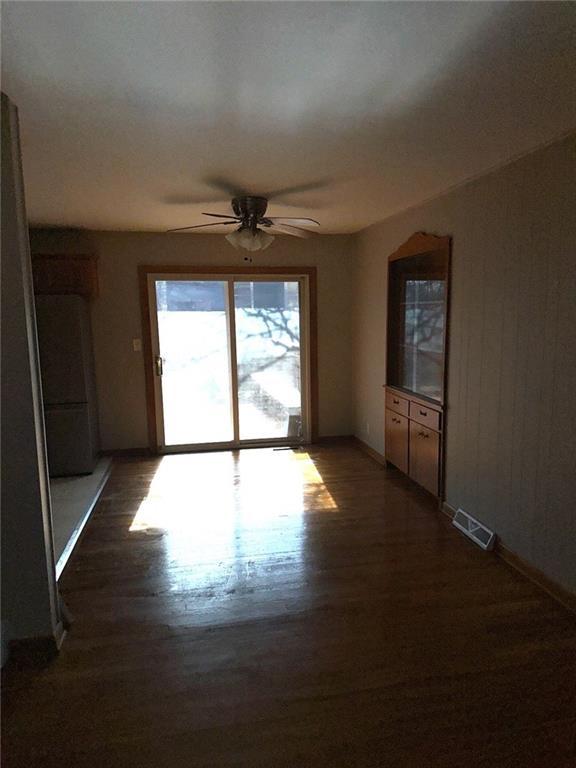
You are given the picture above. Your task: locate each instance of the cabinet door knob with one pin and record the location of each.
(423, 413)
(396, 402)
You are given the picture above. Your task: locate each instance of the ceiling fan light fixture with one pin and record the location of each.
(250, 241)
(264, 239)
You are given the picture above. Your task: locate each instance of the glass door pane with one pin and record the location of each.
(267, 316)
(193, 341)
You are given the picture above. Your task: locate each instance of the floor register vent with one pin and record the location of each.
(474, 529)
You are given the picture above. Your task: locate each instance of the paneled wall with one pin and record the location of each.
(511, 448)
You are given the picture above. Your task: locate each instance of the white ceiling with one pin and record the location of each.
(133, 112)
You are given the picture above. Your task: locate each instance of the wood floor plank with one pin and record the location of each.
(292, 608)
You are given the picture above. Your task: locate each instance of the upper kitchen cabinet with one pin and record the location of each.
(65, 273)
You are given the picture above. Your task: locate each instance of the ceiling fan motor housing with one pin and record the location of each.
(250, 209)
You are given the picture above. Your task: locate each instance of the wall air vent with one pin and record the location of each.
(474, 529)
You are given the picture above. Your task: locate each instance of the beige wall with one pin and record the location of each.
(116, 315)
(511, 447)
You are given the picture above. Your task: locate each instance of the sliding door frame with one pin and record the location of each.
(149, 332)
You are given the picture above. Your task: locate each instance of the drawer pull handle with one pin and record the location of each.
(423, 413)
(396, 402)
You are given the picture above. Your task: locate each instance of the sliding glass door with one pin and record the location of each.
(230, 360)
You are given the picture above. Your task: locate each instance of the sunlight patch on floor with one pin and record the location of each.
(210, 494)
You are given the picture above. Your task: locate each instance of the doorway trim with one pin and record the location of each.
(144, 270)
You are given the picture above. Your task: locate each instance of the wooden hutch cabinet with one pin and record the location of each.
(418, 293)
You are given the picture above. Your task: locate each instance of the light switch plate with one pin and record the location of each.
(137, 345)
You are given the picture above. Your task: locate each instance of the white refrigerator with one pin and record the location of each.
(68, 384)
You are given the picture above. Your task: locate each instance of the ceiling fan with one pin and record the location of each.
(253, 227)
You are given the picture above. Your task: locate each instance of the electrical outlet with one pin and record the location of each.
(137, 345)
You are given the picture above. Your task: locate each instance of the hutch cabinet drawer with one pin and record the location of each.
(396, 440)
(396, 403)
(425, 415)
(425, 457)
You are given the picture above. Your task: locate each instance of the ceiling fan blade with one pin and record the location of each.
(193, 200)
(224, 185)
(293, 221)
(287, 229)
(222, 216)
(320, 184)
(199, 226)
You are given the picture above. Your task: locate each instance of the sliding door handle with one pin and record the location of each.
(159, 364)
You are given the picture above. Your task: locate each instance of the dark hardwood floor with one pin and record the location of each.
(278, 608)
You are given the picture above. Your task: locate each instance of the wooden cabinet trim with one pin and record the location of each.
(432, 405)
(420, 243)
